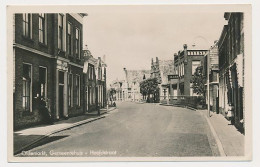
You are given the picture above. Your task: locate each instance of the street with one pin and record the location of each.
(136, 130)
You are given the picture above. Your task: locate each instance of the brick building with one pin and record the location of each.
(48, 64)
(231, 67)
(185, 64)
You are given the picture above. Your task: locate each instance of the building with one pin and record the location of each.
(94, 82)
(211, 59)
(48, 64)
(131, 86)
(118, 86)
(231, 67)
(160, 69)
(185, 64)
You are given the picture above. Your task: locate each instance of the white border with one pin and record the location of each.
(255, 68)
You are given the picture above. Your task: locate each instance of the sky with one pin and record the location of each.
(130, 36)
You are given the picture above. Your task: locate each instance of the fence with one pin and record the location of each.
(196, 102)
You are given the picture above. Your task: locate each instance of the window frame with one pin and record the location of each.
(30, 93)
(77, 86)
(27, 25)
(60, 31)
(46, 80)
(69, 34)
(77, 42)
(43, 28)
(70, 89)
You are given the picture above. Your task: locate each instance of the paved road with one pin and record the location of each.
(142, 130)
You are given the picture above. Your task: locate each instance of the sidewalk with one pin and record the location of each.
(24, 139)
(231, 140)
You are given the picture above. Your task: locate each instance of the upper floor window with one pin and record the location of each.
(27, 25)
(42, 28)
(195, 64)
(77, 47)
(60, 31)
(69, 38)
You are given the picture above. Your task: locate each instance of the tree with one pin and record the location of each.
(149, 87)
(198, 84)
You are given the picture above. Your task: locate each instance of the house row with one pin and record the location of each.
(222, 67)
(51, 65)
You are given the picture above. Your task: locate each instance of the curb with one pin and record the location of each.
(62, 129)
(220, 146)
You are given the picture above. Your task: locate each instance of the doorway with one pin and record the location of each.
(61, 94)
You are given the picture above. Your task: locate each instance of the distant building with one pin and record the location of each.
(118, 86)
(160, 69)
(94, 82)
(131, 86)
(231, 67)
(185, 64)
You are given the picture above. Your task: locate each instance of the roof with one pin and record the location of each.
(166, 68)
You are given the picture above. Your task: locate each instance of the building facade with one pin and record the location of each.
(131, 84)
(160, 69)
(211, 59)
(185, 64)
(231, 67)
(48, 64)
(94, 82)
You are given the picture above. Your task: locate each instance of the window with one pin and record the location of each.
(42, 28)
(69, 38)
(77, 48)
(195, 64)
(60, 31)
(27, 87)
(27, 25)
(78, 89)
(70, 87)
(42, 81)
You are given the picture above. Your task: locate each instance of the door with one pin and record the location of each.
(61, 101)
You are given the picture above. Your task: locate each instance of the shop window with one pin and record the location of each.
(27, 87)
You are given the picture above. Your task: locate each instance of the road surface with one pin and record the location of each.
(135, 130)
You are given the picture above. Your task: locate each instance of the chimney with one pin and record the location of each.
(185, 46)
(157, 60)
(125, 74)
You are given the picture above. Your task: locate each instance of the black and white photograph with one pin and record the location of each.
(129, 83)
